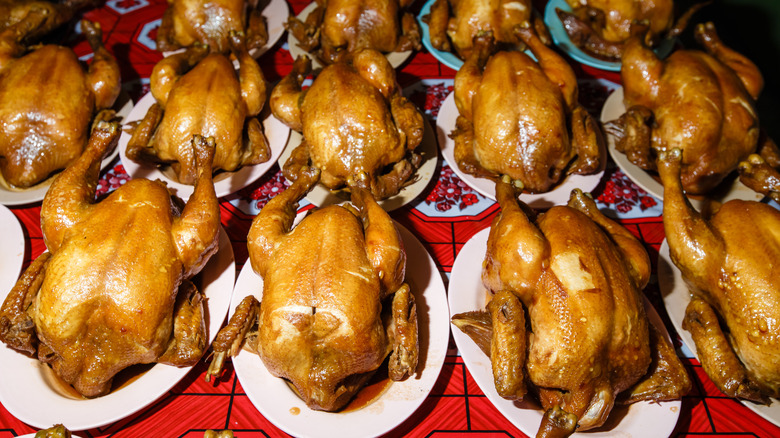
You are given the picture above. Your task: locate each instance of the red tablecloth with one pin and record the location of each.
(444, 217)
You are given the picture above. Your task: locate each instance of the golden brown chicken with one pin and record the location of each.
(579, 276)
(334, 300)
(48, 15)
(113, 289)
(56, 431)
(209, 22)
(702, 103)
(357, 128)
(47, 102)
(201, 93)
(453, 24)
(730, 260)
(337, 29)
(602, 27)
(521, 118)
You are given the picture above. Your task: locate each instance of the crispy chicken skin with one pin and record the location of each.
(113, 289)
(48, 100)
(337, 29)
(322, 323)
(198, 93)
(576, 276)
(700, 102)
(357, 128)
(730, 261)
(210, 22)
(522, 118)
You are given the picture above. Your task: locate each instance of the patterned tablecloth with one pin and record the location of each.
(443, 217)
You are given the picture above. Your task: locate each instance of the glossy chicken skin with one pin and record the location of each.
(201, 93)
(337, 29)
(47, 102)
(453, 24)
(521, 118)
(730, 260)
(602, 27)
(48, 15)
(702, 103)
(579, 275)
(355, 123)
(322, 325)
(209, 22)
(113, 289)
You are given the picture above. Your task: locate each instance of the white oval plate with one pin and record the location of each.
(225, 183)
(12, 252)
(282, 407)
(13, 196)
(466, 293)
(559, 195)
(612, 110)
(27, 392)
(676, 296)
(562, 40)
(395, 58)
(322, 196)
(275, 14)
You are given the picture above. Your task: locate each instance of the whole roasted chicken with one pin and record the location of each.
(337, 29)
(357, 128)
(453, 24)
(521, 118)
(702, 103)
(47, 15)
(47, 101)
(730, 261)
(113, 289)
(199, 93)
(578, 277)
(334, 300)
(209, 22)
(602, 27)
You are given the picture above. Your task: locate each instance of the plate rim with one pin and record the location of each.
(417, 388)
(479, 365)
(91, 413)
(559, 195)
(12, 254)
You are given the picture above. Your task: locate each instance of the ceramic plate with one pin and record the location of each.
(217, 279)
(395, 58)
(559, 195)
(466, 293)
(12, 252)
(322, 196)
(275, 14)
(676, 296)
(279, 404)
(12, 196)
(730, 189)
(225, 183)
(32, 435)
(561, 39)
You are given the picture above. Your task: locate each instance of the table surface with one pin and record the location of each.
(444, 217)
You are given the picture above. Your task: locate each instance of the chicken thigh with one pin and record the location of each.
(730, 260)
(577, 276)
(47, 101)
(199, 93)
(209, 22)
(337, 29)
(357, 128)
(113, 289)
(521, 118)
(334, 300)
(702, 103)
